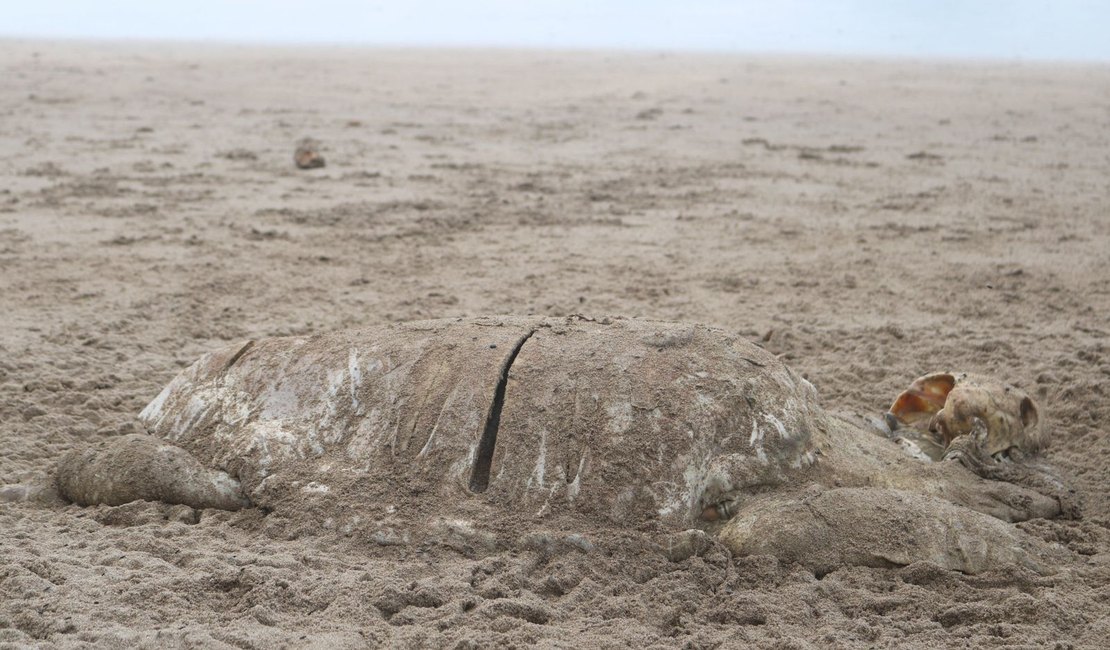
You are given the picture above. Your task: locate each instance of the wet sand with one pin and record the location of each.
(868, 220)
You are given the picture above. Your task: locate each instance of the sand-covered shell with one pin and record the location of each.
(628, 420)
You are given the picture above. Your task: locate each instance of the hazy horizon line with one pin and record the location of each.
(530, 47)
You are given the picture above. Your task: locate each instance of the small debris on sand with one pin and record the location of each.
(307, 155)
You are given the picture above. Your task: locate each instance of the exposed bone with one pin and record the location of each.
(940, 407)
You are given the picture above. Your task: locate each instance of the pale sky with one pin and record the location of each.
(1013, 29)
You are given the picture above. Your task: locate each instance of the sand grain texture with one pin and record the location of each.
(871, 220)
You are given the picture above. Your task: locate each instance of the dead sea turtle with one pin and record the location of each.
(517, 422)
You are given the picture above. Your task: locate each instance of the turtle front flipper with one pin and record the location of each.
(878, 527)
(856, 457)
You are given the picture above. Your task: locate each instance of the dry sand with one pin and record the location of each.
(872, 220)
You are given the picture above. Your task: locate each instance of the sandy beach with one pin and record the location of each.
(866, 221)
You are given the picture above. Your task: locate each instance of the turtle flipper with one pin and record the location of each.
(134, 467)
(878, 527)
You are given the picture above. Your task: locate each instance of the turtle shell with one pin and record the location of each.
(628, 420)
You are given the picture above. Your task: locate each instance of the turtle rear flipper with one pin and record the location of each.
(141, 467)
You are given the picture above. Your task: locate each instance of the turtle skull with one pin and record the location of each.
(940, 407)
